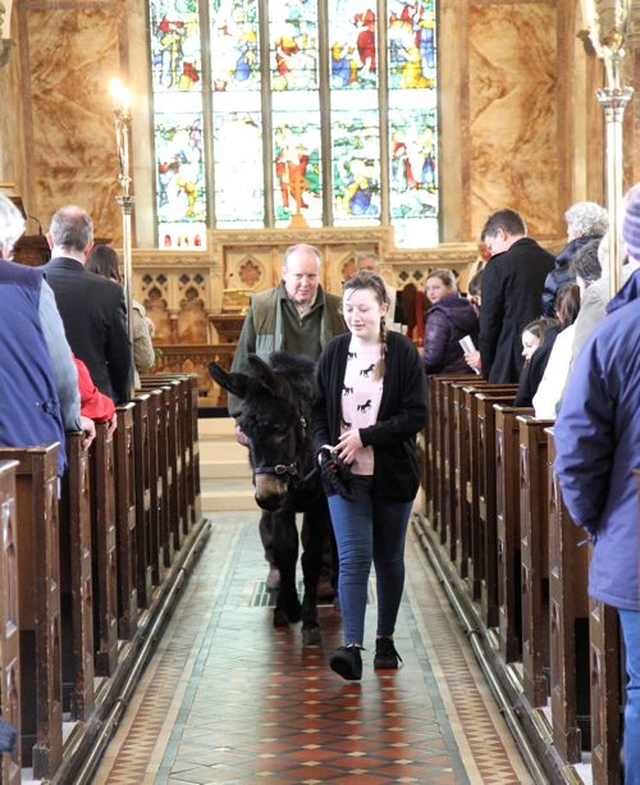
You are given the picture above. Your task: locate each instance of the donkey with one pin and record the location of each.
(277, 398)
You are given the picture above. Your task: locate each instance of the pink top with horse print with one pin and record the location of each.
(361, 396)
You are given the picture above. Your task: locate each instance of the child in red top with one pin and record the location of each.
(94, 405)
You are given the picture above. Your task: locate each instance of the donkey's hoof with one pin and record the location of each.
(280, 619)
(311, 636)
(283, 618)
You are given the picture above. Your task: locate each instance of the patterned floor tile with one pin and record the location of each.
(229, 699)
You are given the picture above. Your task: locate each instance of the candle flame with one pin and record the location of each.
(120, 94)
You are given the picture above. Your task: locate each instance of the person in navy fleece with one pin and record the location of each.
(597, 437)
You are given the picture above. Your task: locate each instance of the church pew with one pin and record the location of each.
(174, 465)
(177, 436)
(581, 698)
(434, 430)
(441, 452)
(430, 442)
(534, 537)
(461, 509)
(508, 529)
(104, 552)
(10, 768)
(569, 625)
(606, 669)
(76, 582)
(190, 448)
(487, 553)
(475, 569)
(38, 606)
(447, 478)
(183, 409)
(144, 538)
(193, 448)
(461, 478)
(78, 597)
(160, 496)
(126, 535)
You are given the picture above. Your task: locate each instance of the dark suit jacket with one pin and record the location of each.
(94, 314)
(512, 284)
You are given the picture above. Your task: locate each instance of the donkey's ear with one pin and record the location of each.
(264, 372)
(235, 383)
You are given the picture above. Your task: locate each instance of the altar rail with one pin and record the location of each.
(87, 579)
(496, 528)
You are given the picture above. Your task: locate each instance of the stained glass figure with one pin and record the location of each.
(412, 122)
(238, 171)
(175, 45)
(180, 187)
(178, 121)
(412, 48)
(355, 153)
(293, 43)
(352, 43)
(297, 168)
(235, 45)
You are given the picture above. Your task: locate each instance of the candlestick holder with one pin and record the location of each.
(608, 23)
(122, 122)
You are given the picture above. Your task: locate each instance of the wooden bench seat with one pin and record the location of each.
(37, 539)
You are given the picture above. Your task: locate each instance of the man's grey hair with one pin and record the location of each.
(587, 219)
(12, 225)
(585, 263)
(298, 247)
(71, 228)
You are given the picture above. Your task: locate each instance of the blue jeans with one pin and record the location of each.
(630, 623)
(367, 530)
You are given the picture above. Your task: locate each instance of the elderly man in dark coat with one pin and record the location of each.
(92, 308)
(512, 284)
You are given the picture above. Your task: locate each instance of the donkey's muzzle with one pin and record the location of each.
(271, 491)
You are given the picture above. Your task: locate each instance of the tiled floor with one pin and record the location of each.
(229, 699)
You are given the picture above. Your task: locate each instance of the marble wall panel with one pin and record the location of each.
(13, 144)
(503, 104)
(74, 52)
(513, 138)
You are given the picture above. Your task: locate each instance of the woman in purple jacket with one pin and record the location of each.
(450, 318)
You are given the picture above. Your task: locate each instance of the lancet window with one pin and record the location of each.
(276, 113)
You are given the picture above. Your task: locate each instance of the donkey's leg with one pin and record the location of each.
(317, 523)
(285, 552)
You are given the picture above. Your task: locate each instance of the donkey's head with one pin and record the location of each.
(275, 414)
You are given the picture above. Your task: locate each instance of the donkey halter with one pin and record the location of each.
(280, 469)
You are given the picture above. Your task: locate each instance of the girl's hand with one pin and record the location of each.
(348, 446)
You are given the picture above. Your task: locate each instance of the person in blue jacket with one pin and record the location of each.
(597, 435)
(38, 379)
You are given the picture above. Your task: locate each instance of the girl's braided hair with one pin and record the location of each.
(365, 279)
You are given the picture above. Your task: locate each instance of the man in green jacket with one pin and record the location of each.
(298, 317)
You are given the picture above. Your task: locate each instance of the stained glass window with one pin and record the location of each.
(413, 194)
(176, 71)
(296, 116)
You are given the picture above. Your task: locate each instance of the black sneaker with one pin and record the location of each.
(386, 654)
(346, 661)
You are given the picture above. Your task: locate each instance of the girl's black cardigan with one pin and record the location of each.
(402, 414)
